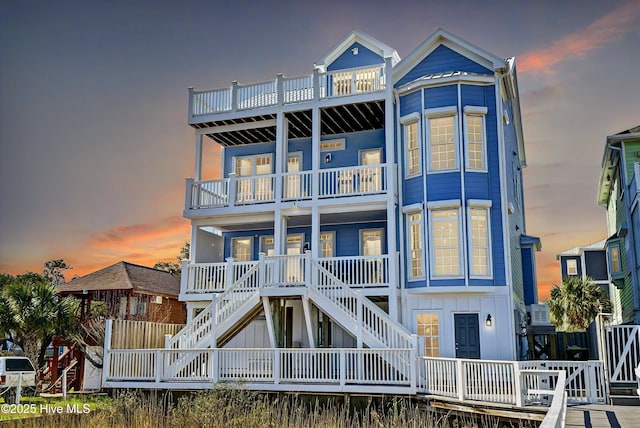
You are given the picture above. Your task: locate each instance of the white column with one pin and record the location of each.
(279, 232)
(315, 152)
(307, 319)
(269, 318)
(198, 170)
(391, 191)
(281, 153)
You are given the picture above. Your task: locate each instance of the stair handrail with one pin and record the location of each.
(404, 338)
(223, 301)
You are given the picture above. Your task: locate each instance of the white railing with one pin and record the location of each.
(359, 271)
(206, 194)
(205, 277)
(286, 270)
(546, 387)
(358, 180)
(257, 95)
(296, 185)
(373, 320)
(342, 366)
(353, 180)
(214, 101)
(353, 81)
(289, 90)
(246, 285)
(622, 352)
(585, 380)
(196, 332)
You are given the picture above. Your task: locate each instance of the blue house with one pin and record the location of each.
(375, 205)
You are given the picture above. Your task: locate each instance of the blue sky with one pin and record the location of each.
(94, 145)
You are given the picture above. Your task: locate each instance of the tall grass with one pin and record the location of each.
(235, 408)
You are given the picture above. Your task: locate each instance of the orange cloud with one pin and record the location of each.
(602, 31)
(122, 236)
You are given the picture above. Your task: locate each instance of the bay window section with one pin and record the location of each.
(475, 137)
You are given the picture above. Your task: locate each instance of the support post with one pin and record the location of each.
(185, 276)
(343, 367)
(215, 364)
(214, 322)
(269, 318)
(167, 340)
(190, 198)
(107, 349)
(360, 321)
(460, 382)
(517, 378)
(413, 358)
(234, 96)
(307, 319)
(276, 366)
(228, 274)
(159, 361)
(316, 84)
(233, 186)
(280, 89)
(262, 271)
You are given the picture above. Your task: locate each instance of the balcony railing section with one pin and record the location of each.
(286, 271)
(289, 90)
(361, 180)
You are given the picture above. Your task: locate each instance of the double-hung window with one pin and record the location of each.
(446, 245)
(442, 140)
(572, 267)
(428, 331)
(479, 236)
(412, 144)
(415, 244)
(614, 259)
(242, 249)
(475, 138)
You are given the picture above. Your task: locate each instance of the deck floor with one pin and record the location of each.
(603, 416)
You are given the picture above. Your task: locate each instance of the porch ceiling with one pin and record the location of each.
(337, 119)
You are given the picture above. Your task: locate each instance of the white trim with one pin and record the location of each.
(489, 242)
(332, 240)
(435, 81)
(479, 203)
(441, 111)
(479, 110)
(449, 203)
(365, 40)
(409, 118)
(410, 209)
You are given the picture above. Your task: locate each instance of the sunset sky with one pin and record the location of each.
(94, 142)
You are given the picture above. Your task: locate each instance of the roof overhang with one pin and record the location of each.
(531, 241)
(365, 40)
(610, 161)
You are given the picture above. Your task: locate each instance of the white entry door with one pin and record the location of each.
(370, 178)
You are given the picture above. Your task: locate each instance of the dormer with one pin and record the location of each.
(356, 50)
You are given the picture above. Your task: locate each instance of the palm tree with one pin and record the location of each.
(31, 313)
(575, 304)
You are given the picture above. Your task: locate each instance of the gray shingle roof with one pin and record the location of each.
(125, 276)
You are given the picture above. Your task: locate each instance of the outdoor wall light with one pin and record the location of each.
(327, 158)
(488, 321)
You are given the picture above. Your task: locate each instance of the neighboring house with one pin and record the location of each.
(373, 208)
(618, 193)
(585, 262)
(128, 291)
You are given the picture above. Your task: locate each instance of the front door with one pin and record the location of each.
(294, 268)
(292, 188)
(370, 178)
(467, 335)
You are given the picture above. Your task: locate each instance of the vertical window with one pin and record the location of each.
(475, 137)
(415, 245)
(427, 329)
(614, 259)
(241, 249)
(572, 267)
(445, 241)
(411, 135)
(480, 243)
(327, 240)
(371, 242)
(253, 188)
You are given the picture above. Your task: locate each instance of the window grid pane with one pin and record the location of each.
(241, 249)
(415, 245)
(442, 141)
(475, 142)
(427, 326)
(479, 242)
(413, 150)
(326, 244)
(446, 243)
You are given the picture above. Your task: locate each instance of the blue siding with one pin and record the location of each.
(447, 283)
(528, 275)
(410, 103)
(441, 96)
(596, 265)
(348, 60)
(413, 191)
(444, 186)
(355, 142)
(302, 145)
(442, 59)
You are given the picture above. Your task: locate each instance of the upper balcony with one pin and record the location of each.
(286, 90)
(331, 183)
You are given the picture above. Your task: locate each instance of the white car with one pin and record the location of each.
(10, 370)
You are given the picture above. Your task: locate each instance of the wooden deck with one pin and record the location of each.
(603, 416)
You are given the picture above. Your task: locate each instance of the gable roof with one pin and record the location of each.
(443, 37)
(376, 46)
(125, 276)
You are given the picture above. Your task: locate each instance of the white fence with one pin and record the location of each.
(622, 352)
